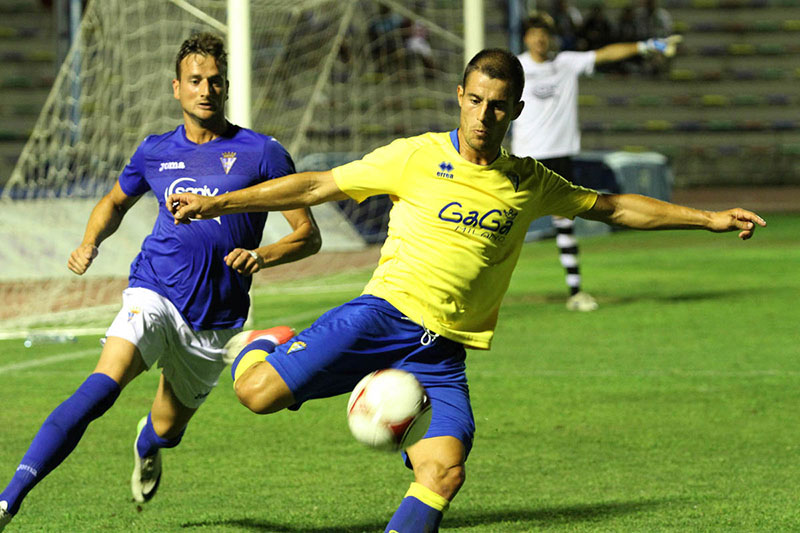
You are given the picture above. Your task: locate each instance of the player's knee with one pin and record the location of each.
(259, 394)
(443, 479)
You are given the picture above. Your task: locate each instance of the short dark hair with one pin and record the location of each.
(205, 44)
(499, 64)
(539, 19)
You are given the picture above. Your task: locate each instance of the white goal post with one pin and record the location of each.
(330, 79)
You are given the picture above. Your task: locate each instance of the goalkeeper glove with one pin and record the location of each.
(666, 46)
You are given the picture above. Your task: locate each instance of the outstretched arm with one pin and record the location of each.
(282, 194)
(619, 51)
(103, 222)
(645, 213)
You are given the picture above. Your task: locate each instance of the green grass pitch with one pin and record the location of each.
(671, 408)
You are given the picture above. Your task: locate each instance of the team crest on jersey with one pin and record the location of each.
(228, 159)
(445, 170)
(513, 177)
(296, 347)
(132, 312)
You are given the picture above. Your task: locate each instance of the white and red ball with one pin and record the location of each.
(388, 410)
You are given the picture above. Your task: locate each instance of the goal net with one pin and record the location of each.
(331, 80)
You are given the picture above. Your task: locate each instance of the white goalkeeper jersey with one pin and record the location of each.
(548, 125)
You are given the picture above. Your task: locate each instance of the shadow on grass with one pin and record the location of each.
(520, 517)
(527, 298)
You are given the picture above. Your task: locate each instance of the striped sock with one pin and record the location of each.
(568, 252)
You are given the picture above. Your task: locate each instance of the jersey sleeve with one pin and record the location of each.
(560, 197)
(276, 161)
(582, 63)
(132, 179)
(378, 172)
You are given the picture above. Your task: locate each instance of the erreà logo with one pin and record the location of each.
(445, 170)
(181, 185)
(228, 159)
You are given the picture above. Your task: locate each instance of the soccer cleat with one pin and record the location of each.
(146, 470)
(5, 516)
(581, 301)
(237, 343)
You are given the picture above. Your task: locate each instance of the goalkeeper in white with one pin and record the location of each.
(548, 130)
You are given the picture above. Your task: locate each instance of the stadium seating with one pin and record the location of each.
(726, 103)
(28, 58)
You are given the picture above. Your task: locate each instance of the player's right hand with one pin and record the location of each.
(81, 258)
(186, 206)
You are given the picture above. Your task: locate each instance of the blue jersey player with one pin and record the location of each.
(188, 291)
(461, 207)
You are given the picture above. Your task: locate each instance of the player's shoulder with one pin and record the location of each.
(572, 56)
(525, 167)
(411, 145)
(269, 144)
(159, 143)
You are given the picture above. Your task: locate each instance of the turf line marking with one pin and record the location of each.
(44, 361)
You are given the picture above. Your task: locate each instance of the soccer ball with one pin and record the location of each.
(388, 410)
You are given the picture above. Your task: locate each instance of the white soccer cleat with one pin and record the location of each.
(146, 471)
(5, 516)
(581, 301)
(237, 343)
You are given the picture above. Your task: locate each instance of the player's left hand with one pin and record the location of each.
(667, 46)
(245, 262)
(736, 219)
(186, 206)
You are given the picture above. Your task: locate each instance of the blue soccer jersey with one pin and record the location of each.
(185, 263)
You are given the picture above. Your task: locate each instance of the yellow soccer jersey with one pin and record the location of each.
(456, 228)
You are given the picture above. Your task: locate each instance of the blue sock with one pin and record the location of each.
(149, 442)
(420, 511)
(258, 344)
(59, 435)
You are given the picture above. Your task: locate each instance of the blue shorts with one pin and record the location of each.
(366, 334)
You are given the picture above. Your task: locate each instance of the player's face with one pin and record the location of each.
(537, 41)
(202, 89)
(488, 106)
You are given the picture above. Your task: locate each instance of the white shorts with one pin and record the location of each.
(191, 360)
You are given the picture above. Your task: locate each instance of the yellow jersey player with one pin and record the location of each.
(461, 209)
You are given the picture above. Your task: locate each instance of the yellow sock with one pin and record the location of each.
(428, 497)
(249, 359)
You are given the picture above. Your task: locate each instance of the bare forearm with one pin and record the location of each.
(282, 194)
(304, 241)
(616, 52)
(645, 213)
(103, 222)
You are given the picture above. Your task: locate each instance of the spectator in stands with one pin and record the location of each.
(548, 130)
(568, 22)
(597, 30)
(385, 37)
(418, 47)
(653, 21)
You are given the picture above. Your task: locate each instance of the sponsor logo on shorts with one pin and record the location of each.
(296, 347)
(201, 395)
(132, 312)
